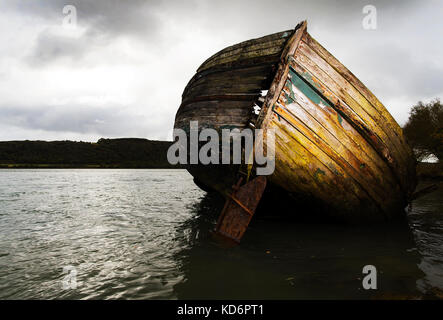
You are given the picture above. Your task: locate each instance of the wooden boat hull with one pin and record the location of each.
(334, 141)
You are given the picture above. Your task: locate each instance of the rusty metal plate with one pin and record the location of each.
(239, 208)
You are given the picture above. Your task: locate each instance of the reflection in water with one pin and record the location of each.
(145, 234)
(116, 227)
(291, 260)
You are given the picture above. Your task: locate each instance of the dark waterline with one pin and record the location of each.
(144, 234)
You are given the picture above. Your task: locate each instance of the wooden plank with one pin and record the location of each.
(322, 170)
(353, 111)
(280, 76)
(239, 208)
(238, 99)
(256, 83)
(330, 127)
(243, 74)
(249, 79)
(215, 113)
(338, 127)
(245, 51)
(203, 122)
(243, 56)
(357, 137)
(338, 156)
(353, 80)
(228, 89)
(246, 71)
(225, 106)
(248, 43)
(308, 57)
(238, 115)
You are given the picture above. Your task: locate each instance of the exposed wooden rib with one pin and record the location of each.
(280, 76)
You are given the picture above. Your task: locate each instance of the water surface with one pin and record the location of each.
(144, 234)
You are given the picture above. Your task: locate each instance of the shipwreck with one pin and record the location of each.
(335, 142)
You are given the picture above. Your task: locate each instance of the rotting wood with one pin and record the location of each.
(336, 144)
(239, 208)
(265, 39)
(282, 71)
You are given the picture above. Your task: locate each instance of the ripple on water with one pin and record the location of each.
(144, 234)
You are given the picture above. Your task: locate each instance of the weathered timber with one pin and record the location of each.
(239, 208)
(335, 142)
(255, 47)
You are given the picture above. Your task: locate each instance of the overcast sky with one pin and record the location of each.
(122, 70)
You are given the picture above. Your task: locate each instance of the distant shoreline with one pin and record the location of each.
(123, 153)
(425, 171)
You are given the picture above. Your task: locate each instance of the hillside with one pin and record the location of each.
(106, 153)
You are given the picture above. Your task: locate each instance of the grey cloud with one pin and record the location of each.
(389, 69)
(107, 20)
(50, 47)
(106, 16)
(402, 74)
(108, 122)
(104, 21)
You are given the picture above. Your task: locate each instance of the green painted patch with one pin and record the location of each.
(291, 94)
(318, 173)
(340, 119)
(305, 84)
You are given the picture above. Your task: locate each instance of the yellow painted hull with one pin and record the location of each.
(334, 141)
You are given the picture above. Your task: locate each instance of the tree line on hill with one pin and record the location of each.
(105, 153)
